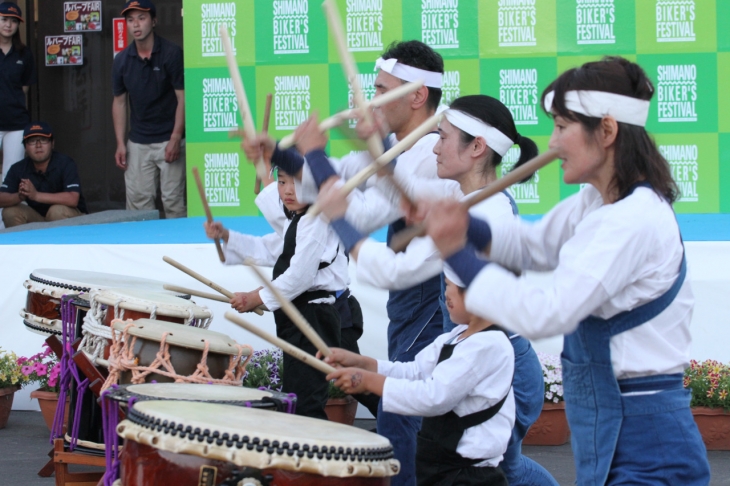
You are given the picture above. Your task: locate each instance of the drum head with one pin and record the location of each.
(142, 300)
(62, 281)
(249, 438)
(182, 336)
(193, 392)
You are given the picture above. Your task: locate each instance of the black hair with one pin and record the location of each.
(17, 43)
(418, 55)
(495, 113)
(636, 156)
(289, 214)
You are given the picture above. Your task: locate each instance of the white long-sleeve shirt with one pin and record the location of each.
(607, 259)
(476, 376)
(315, 243)
(369, 208)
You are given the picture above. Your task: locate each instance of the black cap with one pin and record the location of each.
(144, 5)
(37, 129)
(10, 9)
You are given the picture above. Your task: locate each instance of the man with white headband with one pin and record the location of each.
(620, 293)
(414, 313)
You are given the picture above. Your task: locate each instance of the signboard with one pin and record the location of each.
(64, 50)
(119, 26)
(509, 49)
(82, 16)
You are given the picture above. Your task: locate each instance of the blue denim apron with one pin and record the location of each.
(596, 409)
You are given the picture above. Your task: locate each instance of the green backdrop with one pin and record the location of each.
(509, 49)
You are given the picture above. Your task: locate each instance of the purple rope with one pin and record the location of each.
(68, 322)
(110, 419)
(291, 403)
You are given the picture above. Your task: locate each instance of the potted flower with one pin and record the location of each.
(45, 370)
(709, 383)
(551, 427)
(11, 380)
(264, 371)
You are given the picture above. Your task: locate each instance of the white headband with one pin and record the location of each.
(498, 141)
(451, 275)
(410, 73)
(597, 104)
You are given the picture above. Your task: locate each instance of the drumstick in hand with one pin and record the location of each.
(264, 129)
(400, 240)
(196, 293)
(205, 281)
(206, 208)
(293, 313)
(289, 349)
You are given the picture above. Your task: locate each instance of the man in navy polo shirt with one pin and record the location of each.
(150, 71)
(44, 186)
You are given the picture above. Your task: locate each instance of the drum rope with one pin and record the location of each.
(96, 335)
(122, 358)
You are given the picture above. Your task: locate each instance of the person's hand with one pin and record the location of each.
(216, 231)
(352, 380)
(246, 301)
(446, 224)
(260, 146)
(172, 149)
(379, 125)
(415, 212)
(120, 157)
(342, 358)
(332, 199)
(308, 135)
(27, 189)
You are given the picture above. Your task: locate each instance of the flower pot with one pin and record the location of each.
(6, 403)
(550, 428)
(714, 425)
(341, 410)
(48, 401)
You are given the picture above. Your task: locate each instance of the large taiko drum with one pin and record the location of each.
(189, 444)
(46, 286)
(192, 392)
(132, 303)
(148, 350)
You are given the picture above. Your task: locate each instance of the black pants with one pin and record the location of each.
(350, 335)
(306, 382)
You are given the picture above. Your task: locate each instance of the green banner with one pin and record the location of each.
(509, 49)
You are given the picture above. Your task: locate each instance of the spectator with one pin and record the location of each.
(44, 186)
(17, 73)
(150, 71)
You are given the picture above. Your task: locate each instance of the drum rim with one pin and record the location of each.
(122, 394)
(227, 345)
(33, 327)
(77, 288)
(161, 308)
(340, 460)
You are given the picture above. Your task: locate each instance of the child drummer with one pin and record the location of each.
(309, 268)
(461, 384)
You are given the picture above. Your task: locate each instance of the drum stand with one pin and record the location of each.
(60, 456)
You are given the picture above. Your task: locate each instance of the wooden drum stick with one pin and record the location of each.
(206, 208)
(264, 129)
(204, 280)
(293, 313)
(401, 239)
(397, 149)
(290, 349)
(243, 106)
(196, 293)
(338, 118)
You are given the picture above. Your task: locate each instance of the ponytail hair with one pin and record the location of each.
(493, 112)
(636, 156)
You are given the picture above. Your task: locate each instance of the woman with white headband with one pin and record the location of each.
(620, 293)
(476, 132)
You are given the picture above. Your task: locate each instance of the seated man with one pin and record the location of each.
(44, 186)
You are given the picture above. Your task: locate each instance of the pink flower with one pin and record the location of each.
(21, 360)
(52, 381)
(27, 370)
(42, 369)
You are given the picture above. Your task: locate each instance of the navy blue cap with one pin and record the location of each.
(37, 129)
(10, 9)
(144, 5)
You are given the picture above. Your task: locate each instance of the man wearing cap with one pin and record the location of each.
(44, 186)
(150, 71)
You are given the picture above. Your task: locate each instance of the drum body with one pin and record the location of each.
(200, 443)
(42, 312)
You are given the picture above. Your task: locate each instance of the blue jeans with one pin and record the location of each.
(528, 387)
